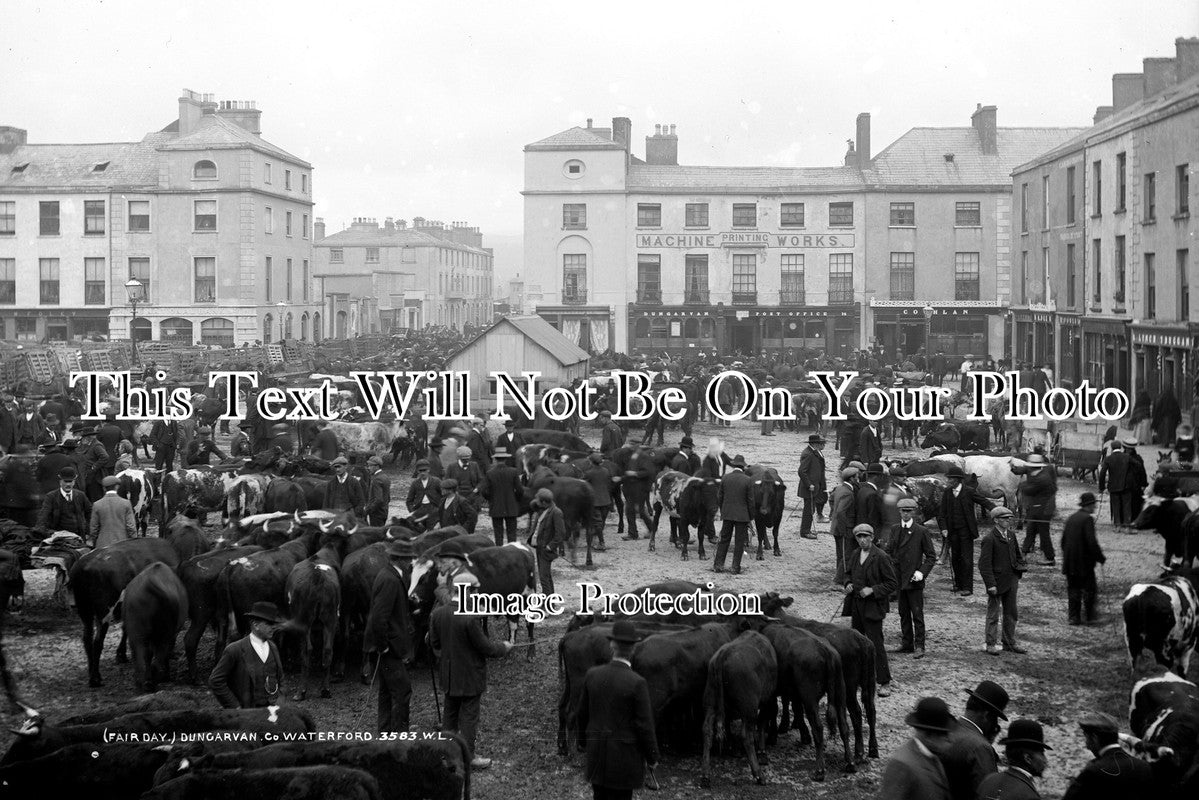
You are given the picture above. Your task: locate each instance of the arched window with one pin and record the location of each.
(287, 326)
(691, 328)
(304, 327)
(316, 327)
(218, 331)
(177, 330)
(142, 329)
(641, 328)
(266, 328)
(707, 328)
(340, 333)
(204, 169)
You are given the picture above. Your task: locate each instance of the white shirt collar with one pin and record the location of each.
(624, 661)
(1112, 746)
(66, 493)
(1023, 772)
(261, 646)
(957, 490)
(342, 478)
(921, 747)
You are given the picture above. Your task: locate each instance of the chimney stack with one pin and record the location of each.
(243, 113)
(318, 229)
(983, 120)
(389, 224)
(662, 149)
(12, 138)
(1102, 113)
(1159, 75)
(190, 110)
(1186, 58)
(589, 123)
(622, 132)
(1127, 88)
(863, 143)
(851, 155)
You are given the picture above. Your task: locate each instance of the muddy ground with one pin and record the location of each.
(1067, 672)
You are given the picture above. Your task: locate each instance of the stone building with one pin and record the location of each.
(211, 219)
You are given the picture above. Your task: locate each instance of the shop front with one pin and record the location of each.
(1164, 355)
(58, 325)
(1070, 361)
(590, 327)
(954, 328)
(1033, 338)
(1106, 354)
(743, 330)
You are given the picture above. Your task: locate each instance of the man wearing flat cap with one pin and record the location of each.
(616, 722)
(612, 438)
(67, 508)
(112, 516)
(424, 495)
(1080, 553)
(960, 525)
(910, 546)
(598, 475)
(970, 756)
(547, 532)
(389, 635)
(1025, 750)
(344, 492)
(201, 448)
(378, 493)
(249, 672)
(1001, 564)
(456, 508)
(1113, 774)
(870, 582)
(465, 471)
(812, 486)
(914, 771)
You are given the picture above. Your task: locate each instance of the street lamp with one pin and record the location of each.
(281, 306)
(928, 312)
(134, 289)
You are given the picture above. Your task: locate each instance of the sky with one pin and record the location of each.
(422, 109)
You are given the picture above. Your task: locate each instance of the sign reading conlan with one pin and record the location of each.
(746, 239)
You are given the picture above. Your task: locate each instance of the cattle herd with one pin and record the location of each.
(743, 680)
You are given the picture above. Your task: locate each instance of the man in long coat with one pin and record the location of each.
(959, 521)
(812, 486)
(1001, 564)
(736, 511)
(501, 487)
(910, 546)
(870, 583)
(970, 757)
(1080, 553)
(389, 634)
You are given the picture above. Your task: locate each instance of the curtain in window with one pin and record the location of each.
(570, 329)
(599, 335)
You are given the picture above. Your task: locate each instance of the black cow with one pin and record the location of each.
(562, 440)
(286, 495)
(98, 770)
(638, 467)
(769, 498)
(957, 435)
(162, 700)
(742, 679)
(1164, 716)
(298, 783)
(437, 769)
(199, 575)
(1163, 617)
(682, 496)
(857, 669)
(153, 611)
(575, 498)
(675, 665)
(1177, 520)
(313, 591)
(12, 581)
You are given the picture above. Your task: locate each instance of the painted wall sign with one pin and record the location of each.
(794, 241)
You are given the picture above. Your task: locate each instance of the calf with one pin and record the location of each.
(575, 498)
(768, 495)
(1163, 617)
(683, 499)
(742, 678)
(313, 592)
(1177, 520)
(153, 611)
(1163, 714)
(287, 496)
(299, 783)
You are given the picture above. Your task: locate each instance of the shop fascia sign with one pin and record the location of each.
(691, 241)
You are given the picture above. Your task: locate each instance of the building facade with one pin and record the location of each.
(380, 279)
(645, 255)
(1110, 239)
(211, 219)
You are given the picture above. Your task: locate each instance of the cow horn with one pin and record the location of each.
(298, 520)
(325, 525)
(352, 530)
(29, 712)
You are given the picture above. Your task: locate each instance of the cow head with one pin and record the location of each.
(773, 604)
(421, 581)
(1154, 514)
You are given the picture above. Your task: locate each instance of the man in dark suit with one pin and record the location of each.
(1080, 553)
(869, 508)
(1038, 494)
(456, 507)
(913, 772)
(870, 446)
(344, 492)
(389, 634)
(1001, 565)
(910, 546)
(424, 495)
(1025, 750)
(1113, 774)
(842, 518)
(598, 475)
(547, 532)
(250, 672)
(960, 524)
(66, 509)
(812, 486)
(1114, 477)
(480, 450)
(970, 757)
(612, 438)
(736, 504)
(501, 487)
(378, 493)
(462, 650)
(871, 582)
(686, 461)
(325, 445)
(616, 722)
(468, 473)
(509, 440)
(164, 435)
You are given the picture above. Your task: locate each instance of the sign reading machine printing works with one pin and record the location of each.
(746, 239)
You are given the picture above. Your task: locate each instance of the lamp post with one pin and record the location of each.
(928, 312)
(133, 288)
(281, 306)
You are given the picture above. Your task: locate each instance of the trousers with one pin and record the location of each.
(1004, 604)
(1037, 520)
(873, 630)
(462, 717)
(1080, 596)
(599, 518)
(395, 692)
(839, 577)
(961, 550)
(1122, 507)
(504, 527)
(911, 616)
(604, 793)
(727, 530)
(805, 522)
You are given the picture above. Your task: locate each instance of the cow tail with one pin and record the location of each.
(113, 613)
(714, 697)
(1134, 629)
(225, 619)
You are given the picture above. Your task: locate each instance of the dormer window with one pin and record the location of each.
(204, 170)
(103, 165)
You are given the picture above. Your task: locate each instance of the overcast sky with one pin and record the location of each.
(421, 109)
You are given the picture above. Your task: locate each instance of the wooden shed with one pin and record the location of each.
(515, 345)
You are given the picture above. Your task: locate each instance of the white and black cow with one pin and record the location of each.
(682, 496)
(140, 487)
(245, 495)
(194, 491)
(1163, 714)
(372, 436)
(1163, 618)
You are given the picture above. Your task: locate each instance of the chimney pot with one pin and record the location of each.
(672, 129)
(657, 130)
(863, 144)
(589, 123)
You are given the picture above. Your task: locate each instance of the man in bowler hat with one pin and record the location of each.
(1025, 750)
(1113, 774)
(958, 520)
(1080, 553)
(970, 756)
(812, 486)
(250, 672)
(615, 721)
(914, 772)
(389, 634)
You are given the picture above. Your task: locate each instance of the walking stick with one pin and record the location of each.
(436, 696)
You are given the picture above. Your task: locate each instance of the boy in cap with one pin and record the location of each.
(378, 493)
(1113, 774)
(910, 546)
(344, 492)
(869, 584)
(424, 495)
(914, 771)
(250, 671)
(1001, 564)
(970, 757)
(616, 722)
(389, 634)
(1080, 553)
(812, 486)
(1025, 750)
(66, 509)
(112, 516)
(201, 448)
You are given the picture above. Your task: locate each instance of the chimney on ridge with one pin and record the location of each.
(622, 131)
(863, 145)
(1127, 88)
(318, 229)
(983, 120)
(662, 149)
(1159, 75)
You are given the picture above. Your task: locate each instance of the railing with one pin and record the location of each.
(745, 298)
(696, 297)
(840, 297)
(792, 297)
(576, 298)
(649, 298)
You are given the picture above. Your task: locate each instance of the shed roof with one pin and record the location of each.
(546, 336)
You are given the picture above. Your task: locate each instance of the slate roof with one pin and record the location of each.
(566, 352)
(381, 237)
(50, 166)
(918, 157)
(575, 138)
(214, 132)
(746, 179)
